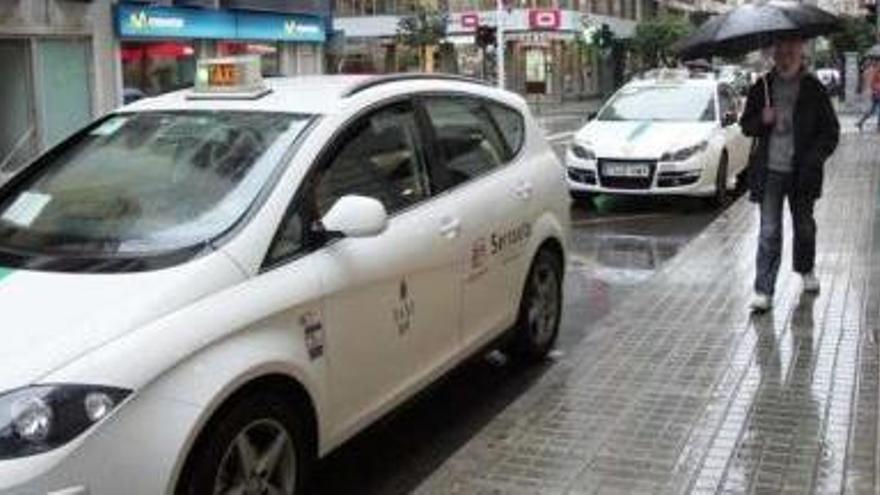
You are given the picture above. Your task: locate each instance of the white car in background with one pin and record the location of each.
(667, 134)
(205, 291)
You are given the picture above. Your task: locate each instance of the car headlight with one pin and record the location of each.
(685, 153)
(582, 153)
(40, 418)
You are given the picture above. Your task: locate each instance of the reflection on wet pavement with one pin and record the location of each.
(618, 243)
(683, 391)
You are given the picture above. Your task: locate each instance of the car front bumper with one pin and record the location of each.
(692, 177)
(135, 451)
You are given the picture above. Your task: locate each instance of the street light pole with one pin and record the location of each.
(499, 41)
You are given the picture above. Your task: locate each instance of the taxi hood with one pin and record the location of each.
(50, 319)
(641, 139)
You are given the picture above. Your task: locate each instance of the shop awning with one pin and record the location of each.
(157, 50)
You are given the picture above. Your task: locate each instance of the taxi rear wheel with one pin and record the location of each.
(540, 311)
(257, 445)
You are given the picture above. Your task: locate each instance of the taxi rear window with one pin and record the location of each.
(511, 124)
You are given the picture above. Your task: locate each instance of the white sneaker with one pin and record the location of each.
(811, 283)
(760, 302)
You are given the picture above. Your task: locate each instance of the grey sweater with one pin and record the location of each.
(785, 94)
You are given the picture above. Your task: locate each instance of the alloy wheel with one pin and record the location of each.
(261, 460)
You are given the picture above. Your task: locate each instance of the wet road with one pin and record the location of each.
(618, 243)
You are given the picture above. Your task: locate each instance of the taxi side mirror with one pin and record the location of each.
(592, 116)
(356, 216)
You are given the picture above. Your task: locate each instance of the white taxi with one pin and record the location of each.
(206, 291)
(666, 134)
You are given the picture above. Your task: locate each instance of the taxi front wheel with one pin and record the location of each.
(257, 445)
(537, 325)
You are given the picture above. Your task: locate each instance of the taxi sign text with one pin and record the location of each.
(223, 75)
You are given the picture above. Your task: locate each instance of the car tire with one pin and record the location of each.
(261, 433)
(722, 195)
(540, 310)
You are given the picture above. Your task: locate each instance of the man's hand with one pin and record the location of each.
(769, 116)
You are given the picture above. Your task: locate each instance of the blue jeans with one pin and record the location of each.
(875, 108)
(776, 189)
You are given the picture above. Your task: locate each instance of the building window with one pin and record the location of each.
(155, 68)
(268, 53)
(17, 127)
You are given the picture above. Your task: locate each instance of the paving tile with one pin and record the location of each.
(682, 391)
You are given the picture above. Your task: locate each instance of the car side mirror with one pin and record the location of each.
(592, 116)
(728, 119)
(355, 216)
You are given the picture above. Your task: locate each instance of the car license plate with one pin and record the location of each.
(637, 170)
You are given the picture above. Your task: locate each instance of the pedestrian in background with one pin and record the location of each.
(795, 130)
(872, 88)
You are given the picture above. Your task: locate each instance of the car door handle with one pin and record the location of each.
(523, 190)
(450, 228)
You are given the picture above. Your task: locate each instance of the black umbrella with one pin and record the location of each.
(756, 25)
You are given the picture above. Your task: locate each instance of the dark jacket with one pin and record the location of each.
(816, 132)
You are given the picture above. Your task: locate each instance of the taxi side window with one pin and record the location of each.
(511, 124)
(468, 143)
(289, 239)
(379, 157)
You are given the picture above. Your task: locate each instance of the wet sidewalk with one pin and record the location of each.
(683, 391)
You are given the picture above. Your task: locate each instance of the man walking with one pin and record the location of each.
(872, 86)
(795, 130)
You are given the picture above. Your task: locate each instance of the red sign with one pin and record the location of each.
(470, 20)
(545, 18)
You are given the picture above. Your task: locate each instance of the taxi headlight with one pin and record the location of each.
(582, 153)
(40, 418)
(685, 153)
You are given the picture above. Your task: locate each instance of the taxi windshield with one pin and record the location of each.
(144, 183)
(674, 103)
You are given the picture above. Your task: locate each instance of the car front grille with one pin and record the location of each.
(614, 182)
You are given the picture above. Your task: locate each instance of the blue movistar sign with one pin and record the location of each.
(137, 21)
(281, 27)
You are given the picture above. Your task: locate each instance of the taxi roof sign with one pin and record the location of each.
(236, 77)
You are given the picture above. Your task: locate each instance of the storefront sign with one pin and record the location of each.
(517, 20)
(134, 21)
(280, 27)
(166, 22)
(470, 20)
(545, 18)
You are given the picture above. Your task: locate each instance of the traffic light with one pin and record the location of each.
(485, 36)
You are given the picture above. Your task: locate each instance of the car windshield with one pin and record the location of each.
(145, 183)
(675, 103)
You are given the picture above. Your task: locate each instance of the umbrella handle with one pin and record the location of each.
(766, 92)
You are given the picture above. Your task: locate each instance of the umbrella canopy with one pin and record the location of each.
(874, 52)
(756, 25)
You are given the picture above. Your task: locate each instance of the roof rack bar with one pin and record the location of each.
(390, 78)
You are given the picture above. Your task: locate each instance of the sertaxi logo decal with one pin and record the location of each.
(511, 238)
(506, 244)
